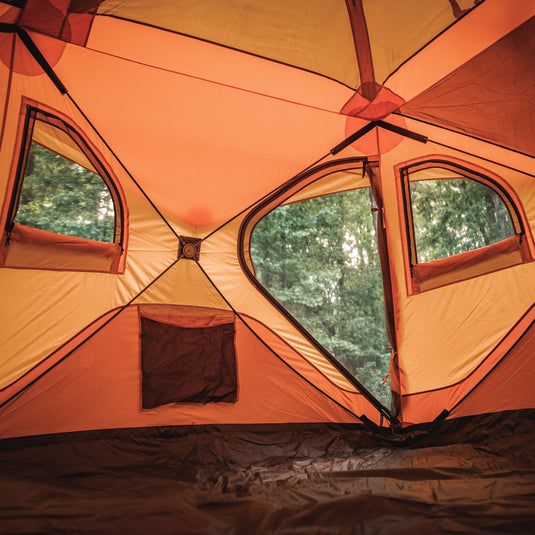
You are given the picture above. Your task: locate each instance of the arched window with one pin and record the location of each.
(460, 224)
(316, 254)
(65, 212)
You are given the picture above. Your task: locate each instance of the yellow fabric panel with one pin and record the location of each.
(450, 330)
(314, 35)
(399, 29)
(184, 284)
(333, 183)
(42, 309)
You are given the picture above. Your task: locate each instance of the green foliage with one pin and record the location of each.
(62, 197)
(319, 259)
(452, 216)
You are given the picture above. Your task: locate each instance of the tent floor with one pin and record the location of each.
(470, 476)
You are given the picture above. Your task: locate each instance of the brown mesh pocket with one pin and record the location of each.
(187, 365)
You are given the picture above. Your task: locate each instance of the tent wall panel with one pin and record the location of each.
(248, 126)
(445, 333)
(196, 132)
(43, 309)
(495, 369)
(99, 386)
(509, 386)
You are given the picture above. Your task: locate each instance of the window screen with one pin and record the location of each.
(61, 187)
(460, 224)
(60, 196)
(319, 259)
(65, 211)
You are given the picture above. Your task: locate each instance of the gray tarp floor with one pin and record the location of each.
(469, 476)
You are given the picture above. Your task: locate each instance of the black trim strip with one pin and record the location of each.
(402, 131)
(353, 137)
(361, 418)
(122, 165)
(409, 225)
(111, 318)
(6, 27)
(374, 176)
(471, 136)
(35, 52)
(27, 135)
(14, 3)
(43, 63)
(370, 126)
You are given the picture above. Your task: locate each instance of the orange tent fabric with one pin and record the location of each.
(200, 118)
(200, 115)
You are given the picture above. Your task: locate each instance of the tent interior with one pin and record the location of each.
(267, 267)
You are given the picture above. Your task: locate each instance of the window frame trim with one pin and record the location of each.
(501, 187)
(30, 112)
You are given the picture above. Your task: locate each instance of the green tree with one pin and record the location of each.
(452, 216)
(319, 259)
(61, 196)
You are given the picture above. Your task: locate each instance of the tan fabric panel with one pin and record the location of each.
(426, 406)
(445, 333)
(98, 387)
(499, 107)
(450, 330)
(149, 46)
(315, 36)
(184, 284)
(399, 29)
(334, 183)
(509, 386)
